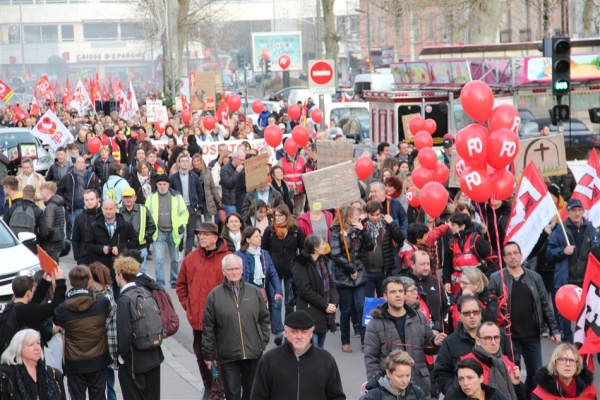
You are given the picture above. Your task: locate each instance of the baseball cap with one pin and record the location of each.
(448, 140)
(129, 192)
(574, 203)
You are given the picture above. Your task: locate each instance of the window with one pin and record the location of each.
(108, 31)
(14, 34)
(416, 22)
(130, 31)
(445, 36)
(49, 33)
(430, 26)
(354, 26)
(67, 33)
(505, 36)
(524, 35)
(40, 33)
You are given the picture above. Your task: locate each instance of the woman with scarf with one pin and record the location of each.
(232, 231)
(143, 181)
(317, 294)
(258, 267)
(349, 243)
(262, 220)
(283, 240)
(279, 184)
(565, 377)
(23, 372)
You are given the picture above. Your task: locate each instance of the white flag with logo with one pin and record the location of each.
(51, 131)
(81, 99)
(132, 98)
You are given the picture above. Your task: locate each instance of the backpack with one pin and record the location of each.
(22, 220)
(111, 193)
(9, 325)
(168, 315)
(148, 332)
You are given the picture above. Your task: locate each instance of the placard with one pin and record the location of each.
(408, 135)
(331, 187)
(257, 171)
(153, 110)
(203, 87)
(454, 180)
(333, 152)
(547, 152)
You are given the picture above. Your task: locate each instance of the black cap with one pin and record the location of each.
(299, 320)
(163, 178)
(574, 203)
(554, 190)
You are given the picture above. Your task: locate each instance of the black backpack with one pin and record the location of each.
(148, 332)
(22, 220)
(9, 325)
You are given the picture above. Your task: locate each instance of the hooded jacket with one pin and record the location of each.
(198, 276)
(382, 337)
(67, 188)
(81, 226)
(54, 213)
(412, 391)
(83, 315)
(548, 389)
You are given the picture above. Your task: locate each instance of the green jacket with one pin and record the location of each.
(179, 214)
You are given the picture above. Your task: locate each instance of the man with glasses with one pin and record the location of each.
(461, 342)
(396, 325)
(229, 176)
(533, 307)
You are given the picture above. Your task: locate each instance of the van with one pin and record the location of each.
(336, 111)
(372, 82)
(302, 95)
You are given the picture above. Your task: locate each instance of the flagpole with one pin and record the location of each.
(563, 227)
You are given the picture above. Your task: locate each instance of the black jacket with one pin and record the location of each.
(134, 360)
(283, 251)
(392, 233)
(229, 177)
(357, 243)
(53, 174)
(101, 168)
(309, 286)
(281, 375)
(547, 382)
(455, 346)
(455, 393)
(135, 184)
(54, 213)
(240, 191)
(33, 314)
(123, 238)
(8, 383)
(66, 188)
(435, 296)
(196, 188)
(41, 230)
(81, 226)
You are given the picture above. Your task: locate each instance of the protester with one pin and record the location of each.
(396, 383)
(141, 220)
(293, 168)
(28, 176)
(83, 224)
(232, 231)
(143, 181)
(277, 182)
(474, 283)
(60, 167)
(390, 206)
(229, 176)
(469, 374)
(212, 197)
(316, 222)
(115, 184)
(54, 214)
(265, 193)
(25, 216)
(261, 219)
(103, 163)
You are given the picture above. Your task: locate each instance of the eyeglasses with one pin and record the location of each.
(566, 360)
(473, 313)
(279, 215)
(413, 290)
(489, 339)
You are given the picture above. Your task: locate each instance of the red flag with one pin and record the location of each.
(587, 331)
(111, 85)
(52, 107)
(105, 95)
(222, 113)
(588, 190)
(46, 262)
(44, 87)
(533, 208)
(184, 102)
(20, 114)
(66, 97)
(35, 105)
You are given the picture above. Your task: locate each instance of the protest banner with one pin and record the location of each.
(331, 187)
(547, 152)
(330, 152)
(153, 110)
(257, 171)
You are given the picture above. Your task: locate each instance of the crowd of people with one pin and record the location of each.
(263, 259)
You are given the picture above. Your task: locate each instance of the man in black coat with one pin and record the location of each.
(283, 372)
(83, 224)
(229, 176)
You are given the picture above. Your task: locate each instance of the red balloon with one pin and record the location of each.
(434, 198)
(503, 184)
(427, 158)
(294, 112)
(477, 100)
(460, 166)
(290, 147)
(568, 301)
(412, 198)
(441, 172)
(476, 184)
(423, 140)
(471, 145)
(421, 176)
(316, 115)
(430, 126)
(94, 145)
(503, 147)
(209, 122)
(273, 135)
(186, 115)
(257, 106)
(300, 135)
(479, 128)
(416, 124)
(363, 167)
(504, 116)
(234, 102)
(160, 127)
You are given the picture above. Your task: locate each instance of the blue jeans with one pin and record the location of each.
(165, 239)
(374, 284)
(352, 300)
(276, 305)
(110, 384)
(70, 220)
(319, 339)
(144, 254)
(229, 208)
(531, 351)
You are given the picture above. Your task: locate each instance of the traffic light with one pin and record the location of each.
(267, 66)
(561, 66)
(240, 60)
(368, 63)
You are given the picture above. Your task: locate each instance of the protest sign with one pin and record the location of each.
(330, 152)
(331, 187)
(547, 152)
(370, 304)
(257, 171)
(204, 86)
(153, 110)
(408, 135)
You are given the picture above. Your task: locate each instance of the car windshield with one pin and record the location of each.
(11, 139)
(338, 113)
(365, 126)
(6, 239)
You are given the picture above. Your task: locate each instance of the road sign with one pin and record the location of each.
(321, 76)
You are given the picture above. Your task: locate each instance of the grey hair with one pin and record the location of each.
(406, 281)
(229, 257)
(237, 153)
(380, 184)
(12, 354)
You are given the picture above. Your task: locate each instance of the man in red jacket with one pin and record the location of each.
(200, 273)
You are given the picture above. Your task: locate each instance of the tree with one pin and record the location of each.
(331, 37)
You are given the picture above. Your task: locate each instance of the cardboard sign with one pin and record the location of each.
(6, 93)
(153, 110)
(547, 152)
(257, 172)
(204, 87)
(406, 126)
(331, 187)
(454, 180)
(333, 152)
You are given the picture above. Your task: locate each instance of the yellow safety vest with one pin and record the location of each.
(142, 233)
(179, 214)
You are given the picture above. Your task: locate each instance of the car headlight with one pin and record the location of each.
(30, 271)
(44, 160)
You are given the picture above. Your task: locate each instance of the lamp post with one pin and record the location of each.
(22, 35)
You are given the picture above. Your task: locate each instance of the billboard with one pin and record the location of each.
(273, 45)
(583, 67)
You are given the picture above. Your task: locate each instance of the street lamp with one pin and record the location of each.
(368, 13)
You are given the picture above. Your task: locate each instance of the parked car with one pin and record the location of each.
(577, 134)
(357, 129)
(11, 137)
(22, 260)
(284, 93)
(525, 115)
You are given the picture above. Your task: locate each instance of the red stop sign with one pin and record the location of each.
(321, 73)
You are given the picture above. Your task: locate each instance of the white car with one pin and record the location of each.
(17, 258)
(11, 137)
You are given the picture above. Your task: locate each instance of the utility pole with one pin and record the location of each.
(170, 48)
(22, 36)
(318, 26)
